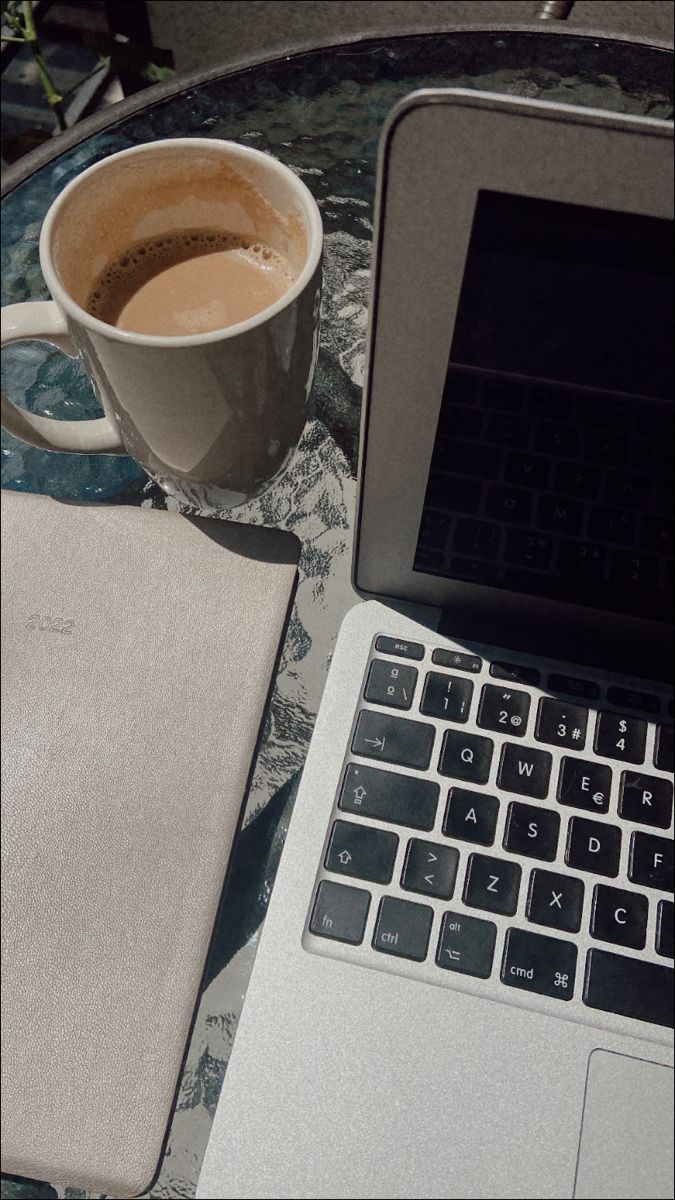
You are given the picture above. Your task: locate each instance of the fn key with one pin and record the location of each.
(340, 912)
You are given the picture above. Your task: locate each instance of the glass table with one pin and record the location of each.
(321, 112)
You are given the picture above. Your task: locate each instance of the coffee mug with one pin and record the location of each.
(213, 416)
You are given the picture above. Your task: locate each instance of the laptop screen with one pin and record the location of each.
(552, 465)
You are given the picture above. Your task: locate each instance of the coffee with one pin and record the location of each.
(188, 282)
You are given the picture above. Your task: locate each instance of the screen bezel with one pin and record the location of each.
(523, 147)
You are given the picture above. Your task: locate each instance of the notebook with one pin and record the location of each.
(464, 986)
(138, 648)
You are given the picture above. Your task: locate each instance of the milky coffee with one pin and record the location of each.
(189, 281)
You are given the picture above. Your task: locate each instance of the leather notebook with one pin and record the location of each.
(138, 651)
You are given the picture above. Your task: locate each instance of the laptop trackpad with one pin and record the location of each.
(626, 1130)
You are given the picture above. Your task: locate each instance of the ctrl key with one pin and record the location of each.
(340, 912)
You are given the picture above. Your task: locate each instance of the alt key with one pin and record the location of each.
(466, 945)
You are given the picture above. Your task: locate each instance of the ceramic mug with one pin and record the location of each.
(222, 410)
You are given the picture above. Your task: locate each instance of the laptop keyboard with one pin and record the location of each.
(506, 823)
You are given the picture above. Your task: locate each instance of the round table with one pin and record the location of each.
(321, 112)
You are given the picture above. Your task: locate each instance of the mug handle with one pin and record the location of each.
(42, 320)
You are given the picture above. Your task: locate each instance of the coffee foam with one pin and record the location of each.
(144, 260)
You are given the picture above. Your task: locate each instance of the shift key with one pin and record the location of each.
(393, 740)
(389, 796)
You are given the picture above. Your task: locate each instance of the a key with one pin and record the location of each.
(386, 796)
(593, 846)
(561, 724)
(340, 912)
(392, 684)
(569, 685)
(664, 929)
(471, 816)
(504, 710)
(525, 771)
(555, 900)
(466, 945)
(393, 739)
(621, 737)
(651, 861)
(663, 755)
(584, 784)
(466, 756)
(629, 987)
(492, 884)
(514, 673)
(430, 868)
(399, 648)
(457, 660)
(447, 697)
(403, 928)
(646, 798)
(619, 916)
(630, 698)
(361, 852)
(532, 831)
(537, 963)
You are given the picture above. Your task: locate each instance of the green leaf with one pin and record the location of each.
(155, 74)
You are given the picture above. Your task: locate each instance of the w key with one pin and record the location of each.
(525, 771)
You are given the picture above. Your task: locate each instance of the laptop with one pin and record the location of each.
(464, 986)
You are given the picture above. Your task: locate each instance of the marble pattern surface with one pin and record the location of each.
(321, 113)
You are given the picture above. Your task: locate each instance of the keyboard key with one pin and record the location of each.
(390, 683)
(651, 861)
(393, 739)
(577, 479)
(547, 402)
(475, 570)
(593, 846)
(340, 912)
(652, 457)
(461, 387)
(584, 784)
(647, 799)
(431, 561)
(434, 529)
(504, 710)
(515, 673)
(657, 534)
(399, 799)
(555, 900)
(532, 831)
(634, 571)
(621, 737)
(399, 648)
(629, 987)
(361, 852)
(479, 538)
(532, 550)
(527, 470)
(560, 441)
(457, 660)
(581, 561)
(466, 945)
(663, 755)
(569, 685)
(619, 916)
(561, 724)
(403, 928)
(453, 494)
(492, 884)
(608, 449)
(560, 514)
(525, 771)
(446, 697)
(664, 929)
(504, 429)
(626, 697)
(627, 490)
(471, 816)
(509, 504)
(466, 756)
(503, 394)
(537, 963)
(471, 458)
(613, 525)
(430, 868)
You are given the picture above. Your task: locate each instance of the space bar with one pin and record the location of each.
(629, 987)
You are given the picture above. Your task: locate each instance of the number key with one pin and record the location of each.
(390, 683)
(447, 697)
(504, 709)
(562, 724)
(621, 737)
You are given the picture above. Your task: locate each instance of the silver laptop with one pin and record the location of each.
(465, 983)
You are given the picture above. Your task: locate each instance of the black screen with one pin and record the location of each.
(552, 466)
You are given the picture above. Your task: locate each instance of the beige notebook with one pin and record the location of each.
(138, 648)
